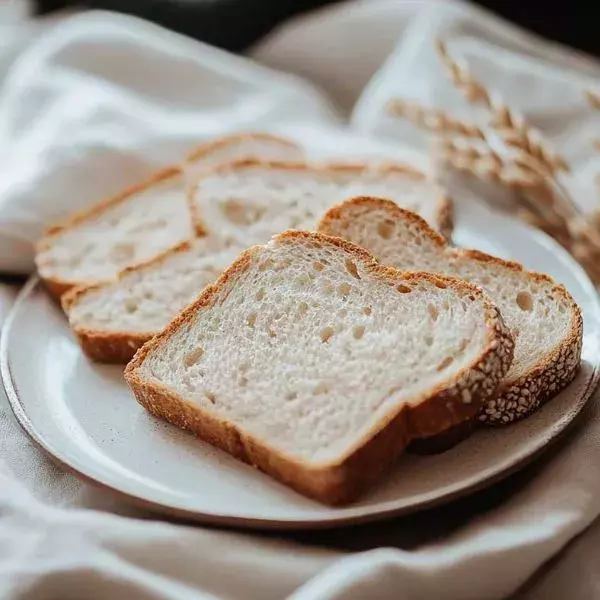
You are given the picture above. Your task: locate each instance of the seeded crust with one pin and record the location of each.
(114, 347)
(444, 219)
(341, 480)
(515, 399)
(57, 286)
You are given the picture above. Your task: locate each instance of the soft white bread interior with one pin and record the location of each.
(253, 200)
(312, 362)
(113, 319)
(142, 221)
(545, 321)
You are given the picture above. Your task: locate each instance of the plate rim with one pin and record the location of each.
(361, 516)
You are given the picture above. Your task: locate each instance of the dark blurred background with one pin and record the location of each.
(236, 24)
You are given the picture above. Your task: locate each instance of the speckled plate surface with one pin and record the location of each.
(85, 417)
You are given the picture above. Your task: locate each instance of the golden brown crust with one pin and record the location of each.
(110, 346)
(342, 480)
(519, 398)
(444, 212)
(56, 288)
(203, 150)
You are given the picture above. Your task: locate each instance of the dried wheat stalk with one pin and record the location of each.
(486, 164)
(433, 120)
(544, 203)
(511, 127)
(593, 99)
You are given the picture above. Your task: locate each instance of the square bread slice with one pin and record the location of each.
(253, 200)
(310, 361)
(113, 319)
(142, 221)
(543, 317)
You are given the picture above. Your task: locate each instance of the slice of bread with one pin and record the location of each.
(113, 319)
(310, 361)
(142, 221)
(252, 200)
(545, 321)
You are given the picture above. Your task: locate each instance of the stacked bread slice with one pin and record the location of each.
(545, 321)
(143, 221)
(316, 357)
(310, 361)
(233, 206)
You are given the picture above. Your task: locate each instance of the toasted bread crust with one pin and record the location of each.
(444, 213)
(518, 398)
(113, 347)
(203, 150)
(342, 480)
(57, 286)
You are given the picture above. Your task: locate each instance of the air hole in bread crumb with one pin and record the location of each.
(352, 268)
(243, 381)
(319, 266)
(433, 311)
(130, 305)
(445, 363)
(122, 252)
(321, 388)
(251, 319)
(326, 334)
(211, 398)
(385, 229)
(428, 340)
(463, 345)
(260, 294)
(302, 308)
(241, 214)
(266, 264)
(303, 279)
(272, 333)
(291, 395)
(343, 313)
(367, 310)
(191, 358)
(525, 301)
(344, 289)
(358, 331)
(403, 288)
(283, 264)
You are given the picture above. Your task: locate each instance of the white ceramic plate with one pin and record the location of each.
(85, 417)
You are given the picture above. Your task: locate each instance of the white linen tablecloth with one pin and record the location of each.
(92, 102)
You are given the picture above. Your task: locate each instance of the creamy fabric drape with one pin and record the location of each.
(91, 102)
